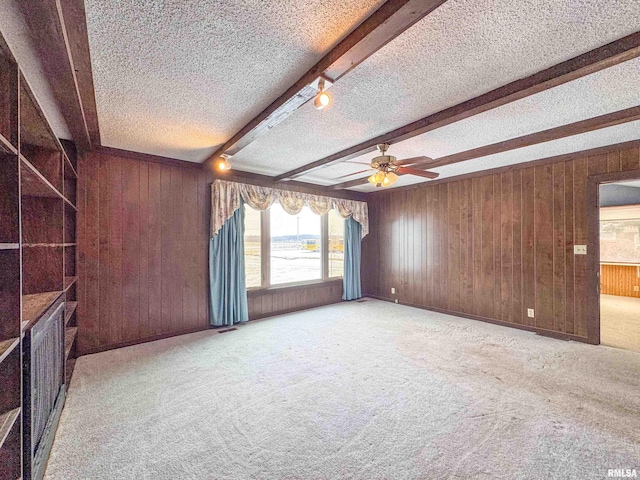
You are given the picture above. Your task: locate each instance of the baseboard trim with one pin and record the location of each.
(293, 310)
(104, 348)
(528, 328)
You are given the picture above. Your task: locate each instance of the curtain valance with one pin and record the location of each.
(225, 200)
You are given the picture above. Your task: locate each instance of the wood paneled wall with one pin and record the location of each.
(143, 233)
(264, 303)
(620, 280)
(492, 246)
(143, 229)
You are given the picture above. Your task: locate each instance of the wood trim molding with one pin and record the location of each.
(233, 175)
(576, 128)
(538, 331)
(145, 157)
(382, 26)
(534, 163)
(104, 348)
(593, 244)
(600, 58)
(57, 43)
(73, 12)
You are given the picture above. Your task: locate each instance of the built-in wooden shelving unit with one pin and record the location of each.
(38, 246)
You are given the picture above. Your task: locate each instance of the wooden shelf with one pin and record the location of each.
(34, 184)
(6, 423)
(34, 305)
(6, 146)
(68, 202)
(68, 282)
(9, 246)
(69, 338)
(68, 165)
(7, 346)
(71, 307)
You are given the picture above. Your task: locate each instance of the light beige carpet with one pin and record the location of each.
(620, 322)
(366, 390)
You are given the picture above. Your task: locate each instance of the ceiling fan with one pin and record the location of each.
(387, 169)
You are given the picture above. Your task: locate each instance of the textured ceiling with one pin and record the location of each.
(461, 50)
(177, 78)
(606, 91)
(16, 34)
(599, 138)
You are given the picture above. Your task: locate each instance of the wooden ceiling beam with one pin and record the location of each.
(382, 26)
(59, 32)
(596, 123)
(595, 60)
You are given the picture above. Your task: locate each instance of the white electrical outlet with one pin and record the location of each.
(393, 291)
(396, 300)
(579, 249)
(530, 313)
(636, 288)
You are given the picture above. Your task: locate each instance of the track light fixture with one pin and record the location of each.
(224, 165)
(322, 99)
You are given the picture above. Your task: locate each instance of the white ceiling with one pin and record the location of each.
(178, 78)
(606, 91)
(461, 50)
(599, 138)
(15, 32)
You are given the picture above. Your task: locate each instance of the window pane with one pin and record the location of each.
(295, 246)
(620, 237)
(336, 244)
(252, 247)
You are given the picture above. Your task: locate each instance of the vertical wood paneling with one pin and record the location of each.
(506, 246)
(144, 246)
(559, 248)
(496, 245)
(131, 205)
(143, 251)
(517, 310)
(528, 245)
(619, 280)
(543, 227)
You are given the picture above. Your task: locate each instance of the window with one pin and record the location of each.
(336, 244)
(620, 240)
(296, 246)
(283, 249)
(252, 246)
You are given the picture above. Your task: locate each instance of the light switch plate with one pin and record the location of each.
(393, 291)
(579, 249)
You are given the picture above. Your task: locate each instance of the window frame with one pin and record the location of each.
(265, 256)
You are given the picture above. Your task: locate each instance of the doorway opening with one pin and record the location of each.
(619, 263)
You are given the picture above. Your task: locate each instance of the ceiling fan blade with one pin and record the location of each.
(418, 173)
(409, 161)
(351, 174)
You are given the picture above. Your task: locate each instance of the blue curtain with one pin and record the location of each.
(228, 298)
(352, 255)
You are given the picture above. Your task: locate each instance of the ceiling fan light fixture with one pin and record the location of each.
(390, 179)
(383, 179)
